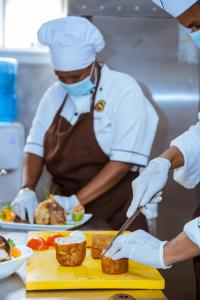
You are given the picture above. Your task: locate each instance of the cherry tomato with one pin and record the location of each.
(37, 243)
(51, 238)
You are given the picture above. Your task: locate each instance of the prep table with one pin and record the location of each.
(13, 287)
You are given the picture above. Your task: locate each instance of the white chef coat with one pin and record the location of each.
(189, 144)
(125, 130)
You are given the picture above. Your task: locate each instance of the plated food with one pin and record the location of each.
(49, 212)
(11, 256)
(99, 243)
(71, 251)
(113, 267)
(6, 214)
(8, 250)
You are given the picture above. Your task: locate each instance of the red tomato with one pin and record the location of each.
(37, 243)
(51, 238)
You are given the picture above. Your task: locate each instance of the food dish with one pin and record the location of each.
(10, 266)
(69, 225)
(49, 212)
(113, 267)
(99, 243)
(11, 256)
(71, 251)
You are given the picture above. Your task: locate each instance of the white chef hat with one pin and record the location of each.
(73, 42)
(175, 7)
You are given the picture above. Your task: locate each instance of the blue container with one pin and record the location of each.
(8, 101)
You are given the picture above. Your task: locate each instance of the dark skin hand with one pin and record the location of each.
(180, 249)
(191, 17)
(175, 156)
(32, 170)
(108, 177)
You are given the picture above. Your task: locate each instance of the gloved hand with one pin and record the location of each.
(150, 182)
(151, 210)
(25, 201)
(139, 246)
(68, 203)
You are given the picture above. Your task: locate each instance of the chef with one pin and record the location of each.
(93, 128)
(184, 158)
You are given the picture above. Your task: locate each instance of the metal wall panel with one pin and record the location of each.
(120, 8)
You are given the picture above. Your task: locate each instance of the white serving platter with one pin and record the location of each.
(26, 227)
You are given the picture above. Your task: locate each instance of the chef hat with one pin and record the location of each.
(175, 7)
(73, 42)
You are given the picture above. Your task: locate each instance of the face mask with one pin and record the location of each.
(80, 88)
(196, 37)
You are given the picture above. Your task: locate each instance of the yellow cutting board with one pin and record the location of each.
(45, 273)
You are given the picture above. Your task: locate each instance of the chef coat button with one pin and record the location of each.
(101, 89)
(76, 114)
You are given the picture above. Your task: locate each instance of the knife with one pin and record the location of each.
(122, 229)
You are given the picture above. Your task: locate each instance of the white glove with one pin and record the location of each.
(139, 246)
(192, 229)
(68, 203)
(150, 182)
(151, 210)
(25, 201)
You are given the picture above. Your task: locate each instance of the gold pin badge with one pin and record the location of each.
(99, 107)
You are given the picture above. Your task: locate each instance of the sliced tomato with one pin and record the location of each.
(51, 238)
(37, 243)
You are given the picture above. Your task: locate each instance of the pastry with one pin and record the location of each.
(49, 212)
(99, 243)
(113, 267)
(71, 250)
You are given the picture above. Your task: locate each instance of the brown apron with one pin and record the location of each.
(73, 157)
(196, 262)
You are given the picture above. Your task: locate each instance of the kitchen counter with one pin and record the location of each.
(13, 288)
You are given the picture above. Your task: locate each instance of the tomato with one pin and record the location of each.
(37, 243)
(51, 238)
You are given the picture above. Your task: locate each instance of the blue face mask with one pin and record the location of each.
(81, 88)
(196, 37)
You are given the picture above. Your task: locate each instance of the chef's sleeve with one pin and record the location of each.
(134, 127)
(40, 124)
(189, 145)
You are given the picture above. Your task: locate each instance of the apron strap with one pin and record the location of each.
(60, 109)
(96, 88)
(62, 105)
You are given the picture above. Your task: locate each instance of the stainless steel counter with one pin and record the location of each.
(13, 288)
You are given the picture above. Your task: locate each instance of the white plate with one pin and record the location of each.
(9, 267)
(26, 227)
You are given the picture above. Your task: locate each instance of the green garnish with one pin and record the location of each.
(11, 243)
(46, 193)
(2, 215)
(7, 207)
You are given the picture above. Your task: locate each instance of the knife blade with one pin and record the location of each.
(122, 229)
